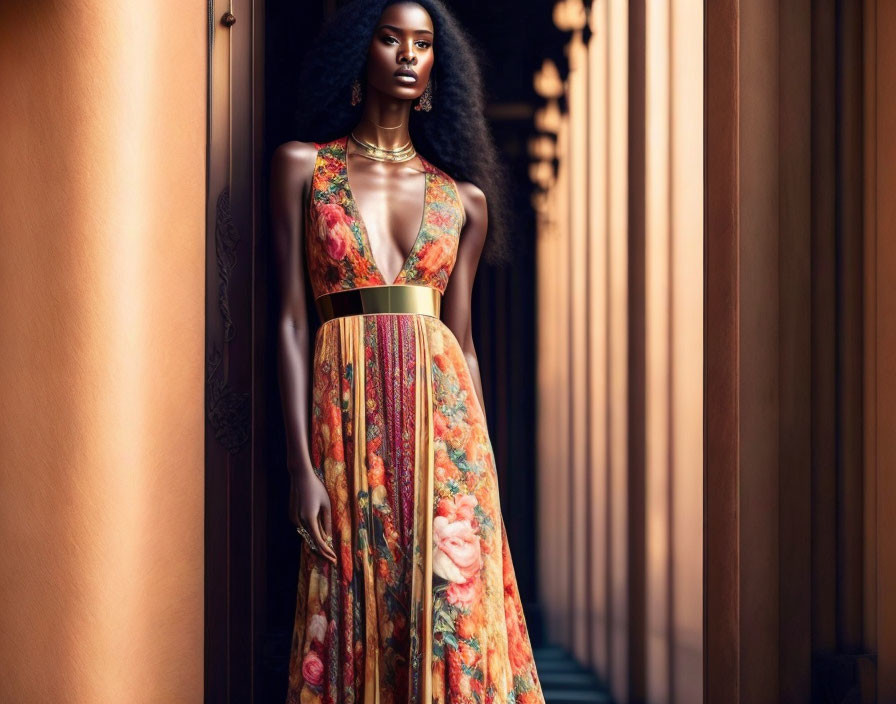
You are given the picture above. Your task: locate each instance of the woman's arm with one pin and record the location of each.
(457, 302)
(291, 169)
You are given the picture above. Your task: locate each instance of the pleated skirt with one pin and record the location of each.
(422, 605)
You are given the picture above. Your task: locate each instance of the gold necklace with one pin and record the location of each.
(405, 152)
(382, 127)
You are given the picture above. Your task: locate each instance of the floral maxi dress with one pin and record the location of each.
(422, 605)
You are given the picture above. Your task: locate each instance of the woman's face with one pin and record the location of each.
(401, 45)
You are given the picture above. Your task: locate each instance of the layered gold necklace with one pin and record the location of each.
(372, 151)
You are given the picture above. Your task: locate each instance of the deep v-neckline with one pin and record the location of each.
(356, 214)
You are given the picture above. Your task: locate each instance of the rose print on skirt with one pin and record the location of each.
(457, 555)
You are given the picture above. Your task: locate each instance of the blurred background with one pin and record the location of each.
(689, 365)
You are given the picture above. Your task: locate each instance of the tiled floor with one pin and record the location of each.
(564, 681)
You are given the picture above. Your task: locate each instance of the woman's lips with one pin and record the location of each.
(404, 78)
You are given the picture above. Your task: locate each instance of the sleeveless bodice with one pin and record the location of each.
(337, 248)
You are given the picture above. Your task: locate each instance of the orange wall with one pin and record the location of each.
(102, 294)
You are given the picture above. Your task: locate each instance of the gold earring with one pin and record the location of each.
(425, 101)
(356, 92)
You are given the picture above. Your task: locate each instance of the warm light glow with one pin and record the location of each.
(541, 173)
(570, 15)
(542, 147)
(547, 118)
(547, 81)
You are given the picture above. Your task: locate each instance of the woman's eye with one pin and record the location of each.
(421, 43)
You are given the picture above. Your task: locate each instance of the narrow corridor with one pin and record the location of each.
(564, 681)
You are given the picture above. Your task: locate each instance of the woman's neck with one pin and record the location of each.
(384, 121)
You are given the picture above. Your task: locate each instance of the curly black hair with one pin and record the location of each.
(454, 135)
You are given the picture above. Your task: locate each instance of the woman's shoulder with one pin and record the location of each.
(473, 202)
(472, 196)
(294, 161)
(469, 191)
(294, 150)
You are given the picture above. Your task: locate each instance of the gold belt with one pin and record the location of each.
(394, 298)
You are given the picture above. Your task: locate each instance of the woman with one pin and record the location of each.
(406, 588)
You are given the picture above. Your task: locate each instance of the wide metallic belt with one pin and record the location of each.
(394, 298)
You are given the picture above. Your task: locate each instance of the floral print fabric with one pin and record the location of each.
(337, 240)
(422, 605)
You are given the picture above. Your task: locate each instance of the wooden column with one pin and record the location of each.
(721, 654)
(880, 344)
(788, 523)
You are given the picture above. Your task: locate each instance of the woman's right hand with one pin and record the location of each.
(292, 172)
(309, 505)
